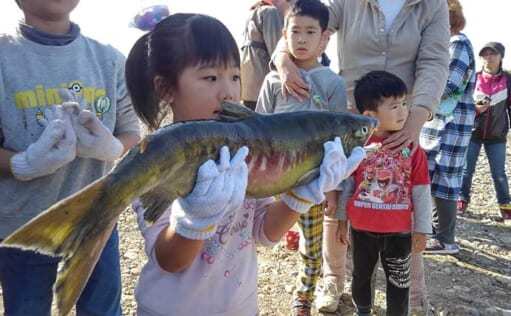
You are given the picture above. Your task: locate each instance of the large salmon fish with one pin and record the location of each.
(285, 151)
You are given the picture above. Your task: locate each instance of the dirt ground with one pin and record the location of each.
(477, 281)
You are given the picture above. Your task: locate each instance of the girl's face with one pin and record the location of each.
(202, 88)
(491, 59)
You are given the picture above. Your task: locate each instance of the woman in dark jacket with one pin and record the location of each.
(493, 107)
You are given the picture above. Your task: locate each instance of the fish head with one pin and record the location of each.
(353, 129)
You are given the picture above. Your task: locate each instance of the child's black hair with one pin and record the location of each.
(177, 42)
(312, 8)
(376, 85)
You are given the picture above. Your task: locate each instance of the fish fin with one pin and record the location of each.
(308, 177)
(63, 230)
(74, 271)
(232, 112)
(155, 202)
(55, 231)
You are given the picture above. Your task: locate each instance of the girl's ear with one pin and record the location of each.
(164, 93)
(284, 34)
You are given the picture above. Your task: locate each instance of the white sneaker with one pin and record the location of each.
(436, 247)
(328, 298)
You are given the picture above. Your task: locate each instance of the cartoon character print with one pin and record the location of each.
(75, 88)
(75, 91)
(385, 178)
(233, 228)
(100, 106)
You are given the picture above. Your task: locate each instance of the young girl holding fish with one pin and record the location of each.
(45, 158)
(202, 254)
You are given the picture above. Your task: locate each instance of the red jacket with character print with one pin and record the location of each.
(382, 201)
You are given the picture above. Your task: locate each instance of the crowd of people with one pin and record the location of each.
(71, 106)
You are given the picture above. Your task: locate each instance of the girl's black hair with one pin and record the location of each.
(374, 86)
(177, 42)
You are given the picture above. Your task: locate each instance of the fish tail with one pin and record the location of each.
(74, 271)
(54, 231)
(68, 229)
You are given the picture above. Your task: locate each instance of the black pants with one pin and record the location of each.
(444, 220)
(394, 251)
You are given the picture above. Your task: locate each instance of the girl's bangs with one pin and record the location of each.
(212, 44)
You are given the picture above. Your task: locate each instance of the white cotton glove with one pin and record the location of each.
(334, 168)
(94, 140)
(55, 148)
(219, 189)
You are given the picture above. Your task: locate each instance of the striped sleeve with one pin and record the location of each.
(458, 67)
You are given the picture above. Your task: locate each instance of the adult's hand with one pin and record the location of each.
(409, 134)
(292, 83)
(342, 232)
(482, 106)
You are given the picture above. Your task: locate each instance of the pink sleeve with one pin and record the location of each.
(259, 217)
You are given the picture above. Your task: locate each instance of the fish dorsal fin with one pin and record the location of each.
(232, 112)
(155, 203)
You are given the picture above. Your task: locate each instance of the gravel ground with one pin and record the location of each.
(477, 281)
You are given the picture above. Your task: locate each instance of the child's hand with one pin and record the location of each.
(95, 140)
(220, 188)
(418, 242)
(55, 148)
(331, 200)
(342, 233)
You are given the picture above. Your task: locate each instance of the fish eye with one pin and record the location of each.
(362, 132)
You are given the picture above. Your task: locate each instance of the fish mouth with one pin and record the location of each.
(373, 147)
(371, 132)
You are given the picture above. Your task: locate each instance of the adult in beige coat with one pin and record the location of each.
(262, 32)
(413, 43)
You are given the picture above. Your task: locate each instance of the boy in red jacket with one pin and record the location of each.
(390, 199)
